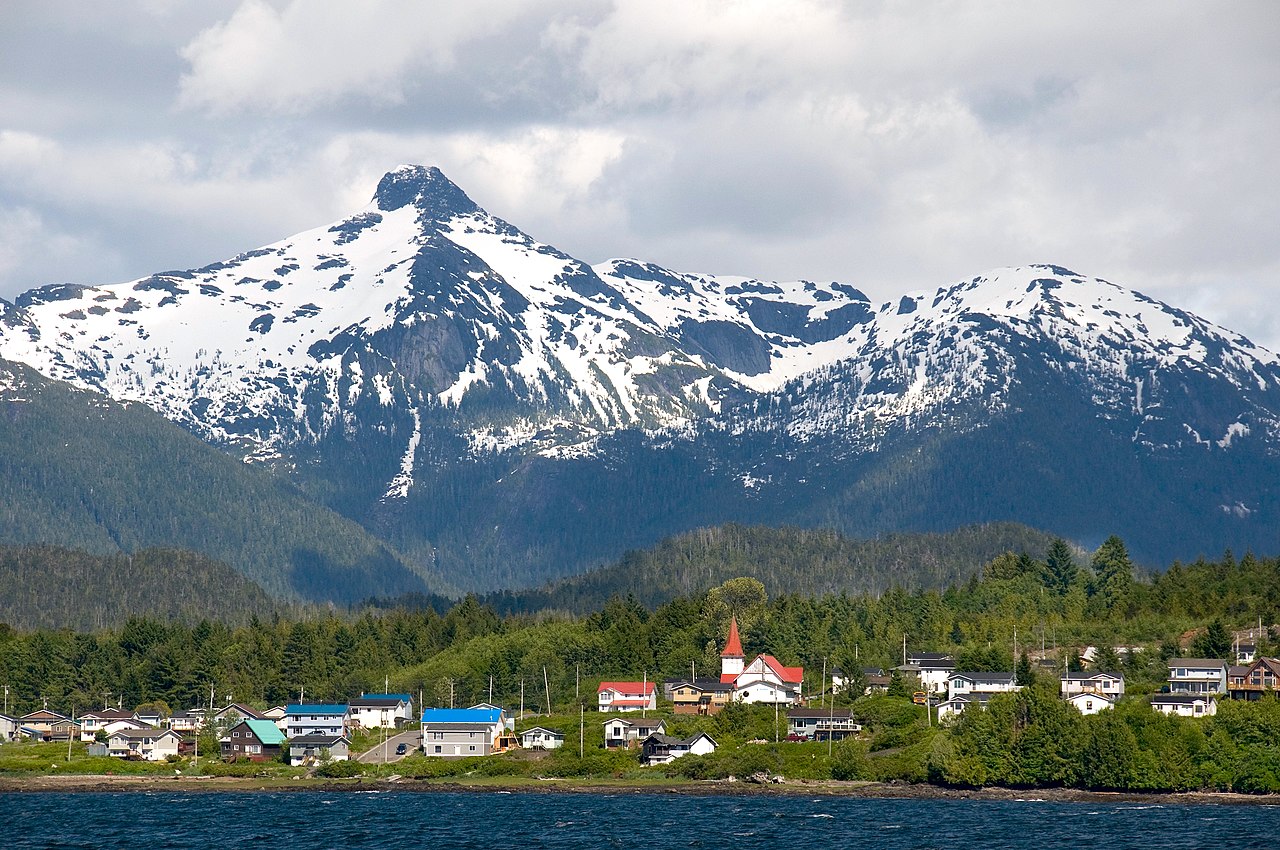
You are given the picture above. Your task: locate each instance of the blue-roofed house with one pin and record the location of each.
(315, 719)
(461, 732)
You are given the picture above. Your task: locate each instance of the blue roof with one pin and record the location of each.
(318, 708)
(401, 697)
(461, 715)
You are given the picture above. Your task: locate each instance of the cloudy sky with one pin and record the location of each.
(894, 146)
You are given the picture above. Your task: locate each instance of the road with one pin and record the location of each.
(412, 739)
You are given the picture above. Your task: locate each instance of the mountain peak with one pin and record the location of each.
(425, 187)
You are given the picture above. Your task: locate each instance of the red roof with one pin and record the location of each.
(733, 646)
(645, 688)
(729, 678)
(786, 674)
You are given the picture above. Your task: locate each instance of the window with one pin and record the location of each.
(437, 749)
(472, 748)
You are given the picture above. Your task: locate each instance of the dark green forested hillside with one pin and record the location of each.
(53, 587)
(79, 470)
(804, 561)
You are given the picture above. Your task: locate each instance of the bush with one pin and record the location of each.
(340, 770)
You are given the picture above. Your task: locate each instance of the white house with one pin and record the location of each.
(1087, 702)
(963, 684)
(107, 720)
(931, 668)
(538, 738)
(149, 744)
(1197, 676)
(186, 722)
(381, 711)
(957, 705)
(622, 733)
(315, 719)
(313, 749)
(664, 749)
(627, 696)
(764, 680)
(8, 727)
(1185, 705)
(1094, 682)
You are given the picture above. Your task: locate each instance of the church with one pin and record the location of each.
(764, 680)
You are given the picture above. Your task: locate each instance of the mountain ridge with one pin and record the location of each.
(501, 412)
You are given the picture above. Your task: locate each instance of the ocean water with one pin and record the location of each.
(299, 820)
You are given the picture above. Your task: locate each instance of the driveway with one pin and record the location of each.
(412, 740)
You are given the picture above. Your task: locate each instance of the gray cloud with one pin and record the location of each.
(893, 146)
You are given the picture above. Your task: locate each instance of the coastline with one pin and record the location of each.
(867, 790)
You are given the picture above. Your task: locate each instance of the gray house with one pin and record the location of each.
(312, 749)
(461, 732)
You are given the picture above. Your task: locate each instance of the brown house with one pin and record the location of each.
(1251, 681)
(253, 739)
(701, 696)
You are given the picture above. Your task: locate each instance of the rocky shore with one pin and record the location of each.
(874, 790)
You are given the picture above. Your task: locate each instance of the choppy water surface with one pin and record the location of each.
(298, 820)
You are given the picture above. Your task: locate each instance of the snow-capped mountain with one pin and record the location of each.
(430, 370)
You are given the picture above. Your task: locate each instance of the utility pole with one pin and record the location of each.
(6, 699)
(547, 684)
(644, 694)
(490, 689)
(522, 699)
(577, 695)
(1015, 655)
(823, 693)
(582, 727)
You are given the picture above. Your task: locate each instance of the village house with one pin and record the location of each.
(765, 680)
(8, 727)
(964, 684)
(658, 748)
(700, 696)
(150, 744)
(1197, 676)
(460, 732)
(624, 733)
(930, 669)
(1088, 702)
(819, 724)
(253, 739)
(958, 704)
(381, 711)
(45, 725)
(149, 717)
(277, 714)
(308, 750)
(1094, 682)
(1251, 681)
(315, 719)
(627, 696)
(539, 738)
(232, 713)
(186, 722)
(107, 720)
(1185, 705)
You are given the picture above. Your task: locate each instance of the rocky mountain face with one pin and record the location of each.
(502, 413)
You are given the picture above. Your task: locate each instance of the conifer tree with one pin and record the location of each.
(1060, 571)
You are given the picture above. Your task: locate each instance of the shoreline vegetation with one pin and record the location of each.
(86, 783)
(1035, 618)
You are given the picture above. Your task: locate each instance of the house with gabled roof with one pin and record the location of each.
(984, 682)
(314, 749)
(819, 724)
(1251, 681)
(1105, 682)
(1091, 702)
(930, 669)
(8, 727)
(700, 696)
(623, 733)
(764, 680)
(149, 744)
(627, 696)
(107, 720)
(378, 711)
(539, 738)
(255, 739)
(232, 713)
(659, 748)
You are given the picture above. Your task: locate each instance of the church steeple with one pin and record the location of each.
(731, 660)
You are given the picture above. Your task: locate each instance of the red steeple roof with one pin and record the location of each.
(733, 647)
